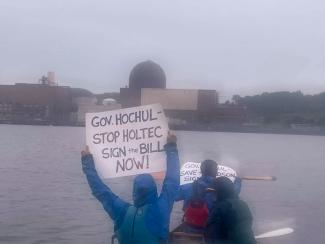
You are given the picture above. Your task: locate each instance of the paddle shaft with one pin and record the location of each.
(267, 178)
(275, 233)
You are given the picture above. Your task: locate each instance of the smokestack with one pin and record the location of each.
(51, 77)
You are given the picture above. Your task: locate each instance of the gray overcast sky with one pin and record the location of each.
(233, 46)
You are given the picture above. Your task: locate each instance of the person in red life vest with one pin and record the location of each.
(230, 220)
(199, 198)
(147, 219)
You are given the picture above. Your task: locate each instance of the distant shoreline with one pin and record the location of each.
(258, 130)
(262, 131)
(200, 128)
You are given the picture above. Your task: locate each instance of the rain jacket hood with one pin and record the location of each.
(144, 190)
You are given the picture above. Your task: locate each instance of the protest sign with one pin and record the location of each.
(190, 171)
(128, 141)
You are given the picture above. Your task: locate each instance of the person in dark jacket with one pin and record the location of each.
(147, 219)
(230, 220)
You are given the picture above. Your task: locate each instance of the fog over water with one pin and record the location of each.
(44, 197)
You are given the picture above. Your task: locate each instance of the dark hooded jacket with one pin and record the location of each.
(230, 221)
(144, 193)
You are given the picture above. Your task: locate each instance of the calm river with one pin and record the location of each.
(44, 197)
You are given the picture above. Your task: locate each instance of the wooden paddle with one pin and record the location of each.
(275, 233)
(269, 234)
(267, 178)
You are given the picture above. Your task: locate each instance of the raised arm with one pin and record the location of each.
(184, 193)
(114, 206)
(170, 186)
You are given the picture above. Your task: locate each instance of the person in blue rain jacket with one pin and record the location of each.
(147, 219)
(209, 170)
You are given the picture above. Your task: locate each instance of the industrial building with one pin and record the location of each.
(90, 104)
(185, 108)
(35, 104)
(46, 103)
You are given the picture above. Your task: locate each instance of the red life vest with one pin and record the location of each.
(197, 212)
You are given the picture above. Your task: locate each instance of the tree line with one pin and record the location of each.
(284, 107)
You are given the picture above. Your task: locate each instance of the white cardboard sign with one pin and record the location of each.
(190, 171)
(128, 141)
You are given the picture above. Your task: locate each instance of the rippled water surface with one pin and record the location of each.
(44, 197)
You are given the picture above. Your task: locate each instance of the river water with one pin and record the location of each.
(44, 197)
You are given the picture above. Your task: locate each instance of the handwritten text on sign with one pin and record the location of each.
(190, 171)
(128, 141)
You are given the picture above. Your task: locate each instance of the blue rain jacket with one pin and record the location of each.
(186, 191)
(144, 192)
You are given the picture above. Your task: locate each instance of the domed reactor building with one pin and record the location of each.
(147, 74)
(147, 85)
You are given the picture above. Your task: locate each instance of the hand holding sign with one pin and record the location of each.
(85, 151)
(128, 141)
(171, 138)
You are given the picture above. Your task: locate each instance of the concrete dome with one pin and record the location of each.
(147, 74)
